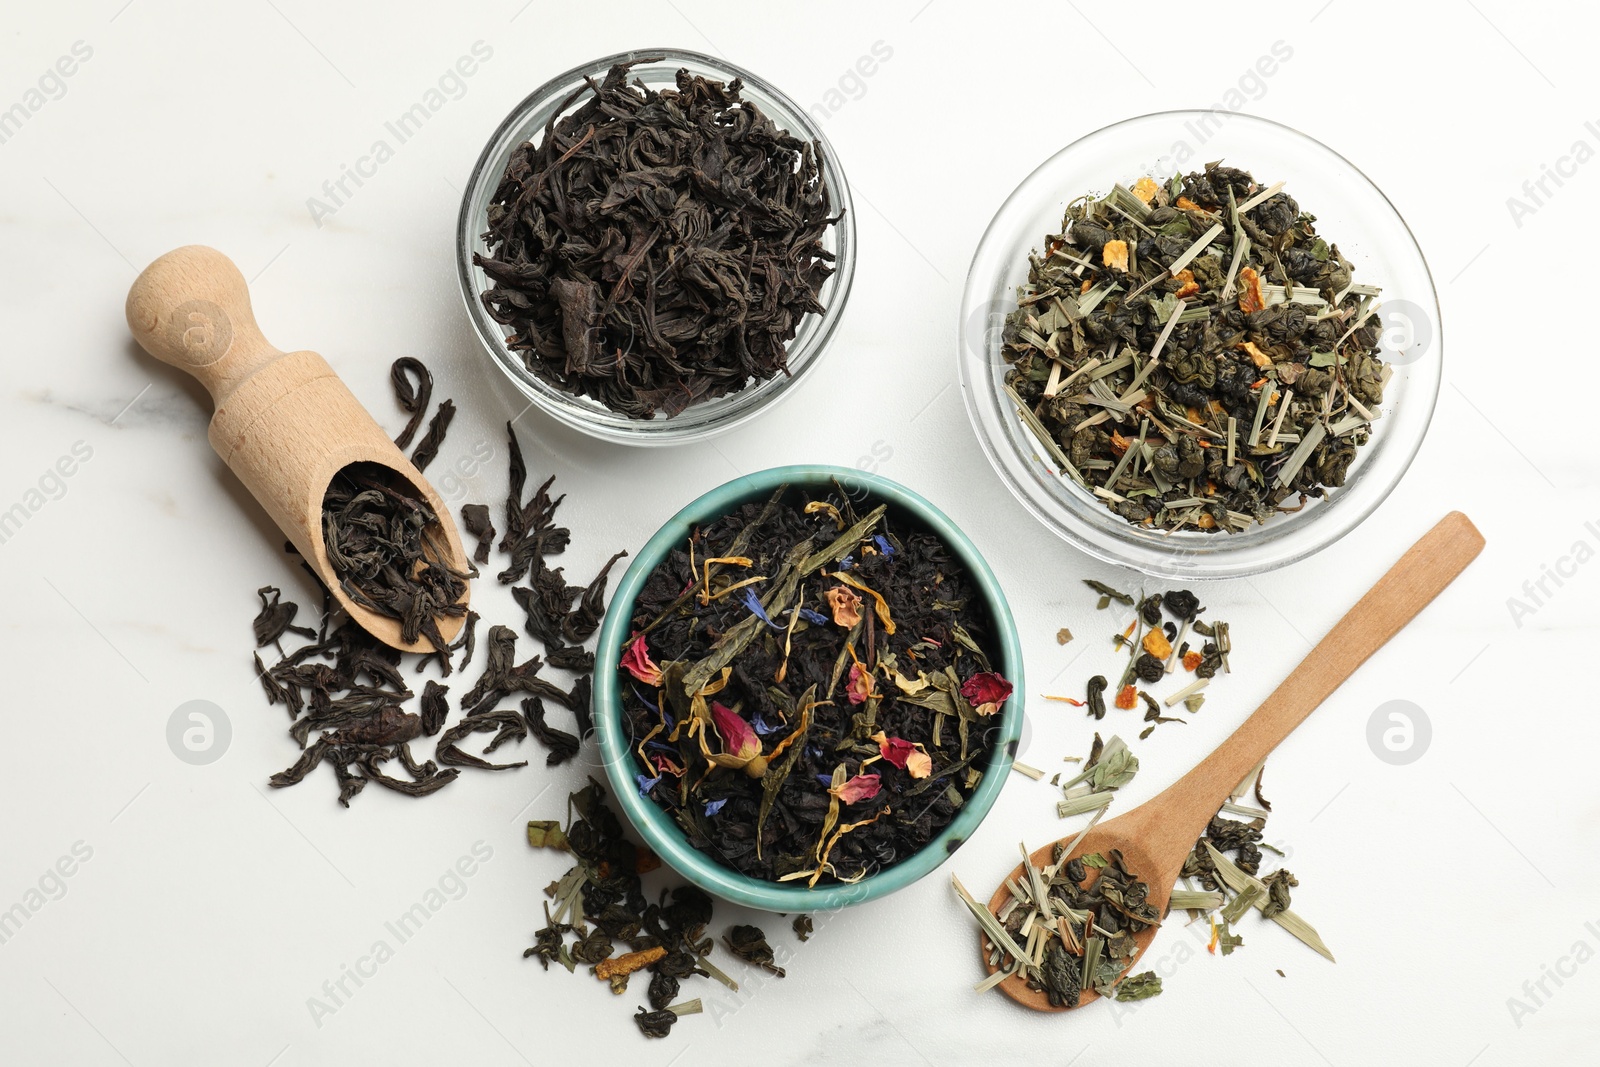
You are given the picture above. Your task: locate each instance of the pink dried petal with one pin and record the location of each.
(919, 764)
(738, 738)
(896, 750)
(860, 685)
(637, 662)
(986, 687)
(861, 787)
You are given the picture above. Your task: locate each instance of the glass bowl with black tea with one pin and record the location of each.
(808, 689)
(1200, 344)
(656, 246)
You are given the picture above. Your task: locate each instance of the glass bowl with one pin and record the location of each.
(1351, 212)
(657, 828)
(706, 418)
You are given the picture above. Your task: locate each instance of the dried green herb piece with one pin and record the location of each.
(1141, 986)
(1109, 593)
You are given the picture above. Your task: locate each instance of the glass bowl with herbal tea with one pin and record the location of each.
(809, 689)
(656, 246)
(1216, 366)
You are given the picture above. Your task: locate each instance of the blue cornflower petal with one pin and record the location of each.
(883, 544)
(714, 806)
(751, 602)
(646, 783)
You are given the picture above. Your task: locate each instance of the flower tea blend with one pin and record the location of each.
(657, 248)
(1194, 354)
(809, 691)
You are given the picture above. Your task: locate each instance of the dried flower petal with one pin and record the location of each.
(846, 605)
(1251, 298)
(919, 764)
(986, 687)
(637, 662)
(860, 686)
(861, 787)
(738, 739)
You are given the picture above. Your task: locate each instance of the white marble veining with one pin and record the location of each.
(204, 911)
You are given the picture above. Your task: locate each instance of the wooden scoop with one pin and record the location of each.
(284, 422)
(1157, 836)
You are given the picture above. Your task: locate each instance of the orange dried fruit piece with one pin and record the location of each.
(1251, 297)
(1188, 286)
(1191, 660)
(1146, 188)
(1258, 357)
(1155, 642)
(1115, 255)
(1127, 697)
(1185, 204)
(1119, 443)
(627, 963)
(1205, 521)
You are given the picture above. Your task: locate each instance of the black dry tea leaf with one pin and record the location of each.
(749, 943)
(428, 447)
(413, 398)
(657, 248)
(276, 618)
(601, 906)
(823, 702)
(479, 525)
(347, 701)
(384, 544)
(1195, 354)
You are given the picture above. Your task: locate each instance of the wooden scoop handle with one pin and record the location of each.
(191, 308)
(1178, 815)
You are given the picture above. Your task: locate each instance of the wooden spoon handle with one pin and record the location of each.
(1408, 587)
(191, 308)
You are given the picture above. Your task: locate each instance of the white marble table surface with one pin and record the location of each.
(204, 911)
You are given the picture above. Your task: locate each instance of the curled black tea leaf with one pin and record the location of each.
(412, 398)
(428, 447)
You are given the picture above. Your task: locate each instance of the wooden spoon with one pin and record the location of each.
(1156, 837)
(284, 422)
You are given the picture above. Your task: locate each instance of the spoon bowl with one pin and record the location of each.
(1156, 837)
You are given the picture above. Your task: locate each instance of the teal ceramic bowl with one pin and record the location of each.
(658, 829)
